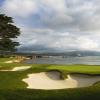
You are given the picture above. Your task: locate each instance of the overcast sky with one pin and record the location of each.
(56, 25)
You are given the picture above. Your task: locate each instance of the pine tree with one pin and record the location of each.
(8, 32)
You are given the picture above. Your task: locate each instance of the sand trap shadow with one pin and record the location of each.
(54, 75)
(84, 80)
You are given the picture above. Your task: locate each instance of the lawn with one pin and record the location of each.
(12, 88)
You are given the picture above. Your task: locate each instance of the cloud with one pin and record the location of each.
(56, 5)
(56, 24)
(81, 15)
(47, 39)
(19, 8)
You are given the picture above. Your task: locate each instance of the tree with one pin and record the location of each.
(8, 32)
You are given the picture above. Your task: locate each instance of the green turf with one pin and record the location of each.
(86, 69)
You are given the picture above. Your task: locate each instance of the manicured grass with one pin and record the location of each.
(85, 69)
(13, 88)
(12, 80)
(5, 59)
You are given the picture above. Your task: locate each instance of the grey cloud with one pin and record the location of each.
(72, 15)
(80, 14)
(73, 25)
(59, 41)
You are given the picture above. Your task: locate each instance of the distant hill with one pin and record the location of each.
(83, 53)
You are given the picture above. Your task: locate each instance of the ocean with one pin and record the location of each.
(88, 60)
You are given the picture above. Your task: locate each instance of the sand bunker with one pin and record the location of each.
(10, 61)
(44, 81)
(21, 68)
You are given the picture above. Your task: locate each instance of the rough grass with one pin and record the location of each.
(90, 93)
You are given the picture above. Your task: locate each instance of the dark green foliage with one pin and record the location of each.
(8, 31)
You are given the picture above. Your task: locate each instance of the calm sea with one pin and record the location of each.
(90, 60)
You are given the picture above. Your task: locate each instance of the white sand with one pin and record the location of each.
(10, 61)
(21, 68)
(44, 81)
(16, 61)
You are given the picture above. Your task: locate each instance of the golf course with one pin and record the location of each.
(19, 81)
